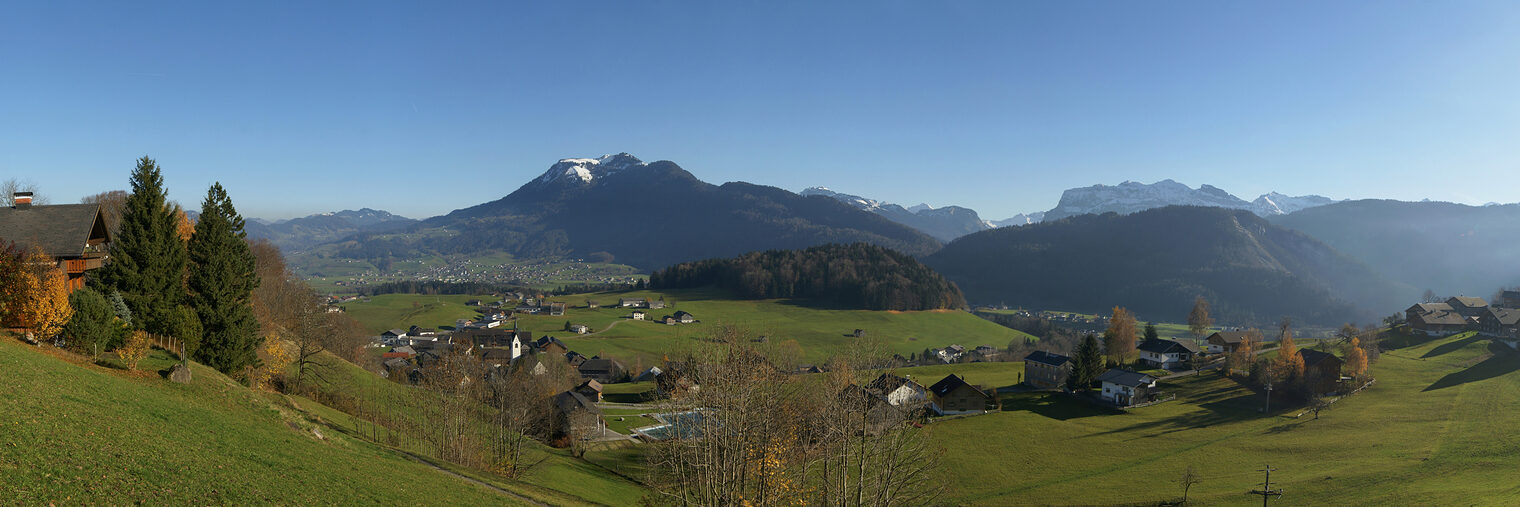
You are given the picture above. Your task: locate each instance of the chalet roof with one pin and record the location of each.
(1315, 357)
(396, 363)
(548, 340)
(60, 230)
(1466, 301)
(496, 354)
(1126, 378)
(951, 383)
(887, 383)
(591, 384)
(600, 365)
(405, 349)
(1163, 346)
(1043, 357)
(1429, 307)
(394, 332)
(680, 313)
(571, 401)
(1442, 318)
(1505, 316)
(649, 374)
(1228, 337)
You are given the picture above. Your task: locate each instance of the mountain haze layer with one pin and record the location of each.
(945, 224)
(1157, 261)
(1453, 249)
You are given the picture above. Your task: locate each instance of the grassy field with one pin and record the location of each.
(821, 332)
(1437, 428)
(391, 311)
(79, 433)
(987, 375)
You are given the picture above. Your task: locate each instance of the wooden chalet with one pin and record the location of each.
(952, 395)
(1225, 342)
(1322, 370)
(73, 235)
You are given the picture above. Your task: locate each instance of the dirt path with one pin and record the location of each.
(609, 327)
(487, 485)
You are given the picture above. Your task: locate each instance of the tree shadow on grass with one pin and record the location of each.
(1447, 348)
(1054, 406)
(1220, 406)
(1503, 361)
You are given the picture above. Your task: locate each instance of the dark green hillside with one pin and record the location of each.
(858, 276)
(1450, 248)
(645, 215)
(1156, 262)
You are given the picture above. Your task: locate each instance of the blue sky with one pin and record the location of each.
(424, 107)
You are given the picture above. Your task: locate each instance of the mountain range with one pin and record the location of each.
(952, 222)
(299, 234)
(1157, 261)
(648, 215)
(1310, 257)
(945, 224)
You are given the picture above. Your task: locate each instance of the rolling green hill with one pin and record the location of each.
(79, 433)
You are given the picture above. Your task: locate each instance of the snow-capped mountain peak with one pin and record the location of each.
(1273, 203)
(920, 207)
(584, 170)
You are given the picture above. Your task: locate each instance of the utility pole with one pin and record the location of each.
(1268, 409)
(1266, 490)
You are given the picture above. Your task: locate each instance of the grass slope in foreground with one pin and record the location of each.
(74, 433)
(1438, 428)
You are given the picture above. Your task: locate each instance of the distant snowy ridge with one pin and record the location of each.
(1130, 197)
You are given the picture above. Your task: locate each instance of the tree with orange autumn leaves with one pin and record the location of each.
(37, 294)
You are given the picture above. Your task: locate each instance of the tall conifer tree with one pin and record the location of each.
(148, 257)
(221, 283)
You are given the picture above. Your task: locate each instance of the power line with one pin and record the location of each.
(1266, 490)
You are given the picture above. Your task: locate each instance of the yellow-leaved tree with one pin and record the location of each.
(1289, 364)
(135, 349)
(276, 357)
(1356, 359)
(44, 308)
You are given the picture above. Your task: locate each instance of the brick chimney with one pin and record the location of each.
(23, 200)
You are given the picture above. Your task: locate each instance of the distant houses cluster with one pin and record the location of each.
(1499, 321)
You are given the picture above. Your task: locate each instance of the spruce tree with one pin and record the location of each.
(221, 284)
(1087, 364)
(148, 257)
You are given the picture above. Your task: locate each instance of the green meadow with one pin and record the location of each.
(821, 332)
(1436, 429)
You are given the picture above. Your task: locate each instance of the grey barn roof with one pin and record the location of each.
(60, 230)
(1126, 378)
(1161, 346)
(1043, 357)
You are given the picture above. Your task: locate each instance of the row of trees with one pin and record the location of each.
(858, 275)
(191, 283)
